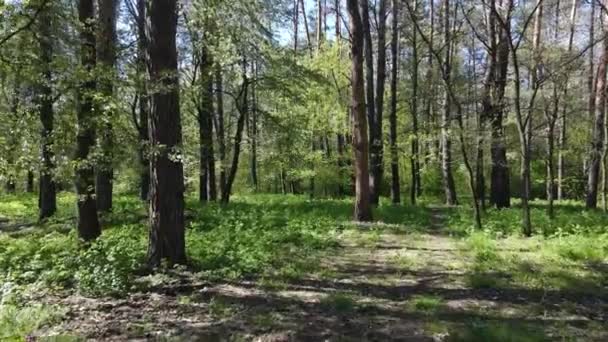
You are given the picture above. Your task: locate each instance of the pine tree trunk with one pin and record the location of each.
(167, 235)
(205, 112)
(254, 134)
(106, 60)
(88, 222)
(363, 210)
(47, 196)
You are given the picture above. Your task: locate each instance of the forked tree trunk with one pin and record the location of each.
(363, 211)
(88, 222)
(167, 235)
(106, 60)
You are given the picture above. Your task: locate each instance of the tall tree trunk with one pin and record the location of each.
(597, 142)
(106, 57)
(47, 196)
(493, 107)
(377, 145)
(144, 101)
(395, 182)
(296, 16)
(446, 143)
(167, 234)
(319, 24)
(253, 137)
(363, 210)
(88, 222)
(561, 143)
(370, 97)
(219, 126)
(238, 136)
(414, 159)
(205, 113)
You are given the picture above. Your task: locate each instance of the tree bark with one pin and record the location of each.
(363, 210)
(144, 101)
(238, 137)
(106, 57)
(561, 143)
(219, 126)
(374, 141)
(395, 181)
(88, 222)
(414, 158)
(167, 235)
(47, 196)
(597, 141)
(446, 143)
(253, 137)
(207, 187)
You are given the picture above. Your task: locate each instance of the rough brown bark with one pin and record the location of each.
(363, 210)
(106, 57)
(167, 236)
(88, 222)
(395, 182)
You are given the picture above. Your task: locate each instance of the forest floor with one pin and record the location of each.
(381, 282)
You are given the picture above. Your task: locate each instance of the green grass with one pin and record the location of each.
(426, 303)
(341, 303)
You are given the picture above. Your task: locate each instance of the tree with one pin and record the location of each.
(598, 135)
(446, 144)
(47, 200)
(106, 52)
(395, 183)
(167, 236)
(88, 222)
(363, 210)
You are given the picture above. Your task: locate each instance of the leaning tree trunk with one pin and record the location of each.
(47, 196)
(395, 186)
(88, 222)
(238, 137)
(106, 60)
(167, 236)
(363, 210)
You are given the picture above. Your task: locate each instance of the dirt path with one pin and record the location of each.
(378, 286)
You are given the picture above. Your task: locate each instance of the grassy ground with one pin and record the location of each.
(278, 268)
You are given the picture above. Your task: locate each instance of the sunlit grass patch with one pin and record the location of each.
(426, 303)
